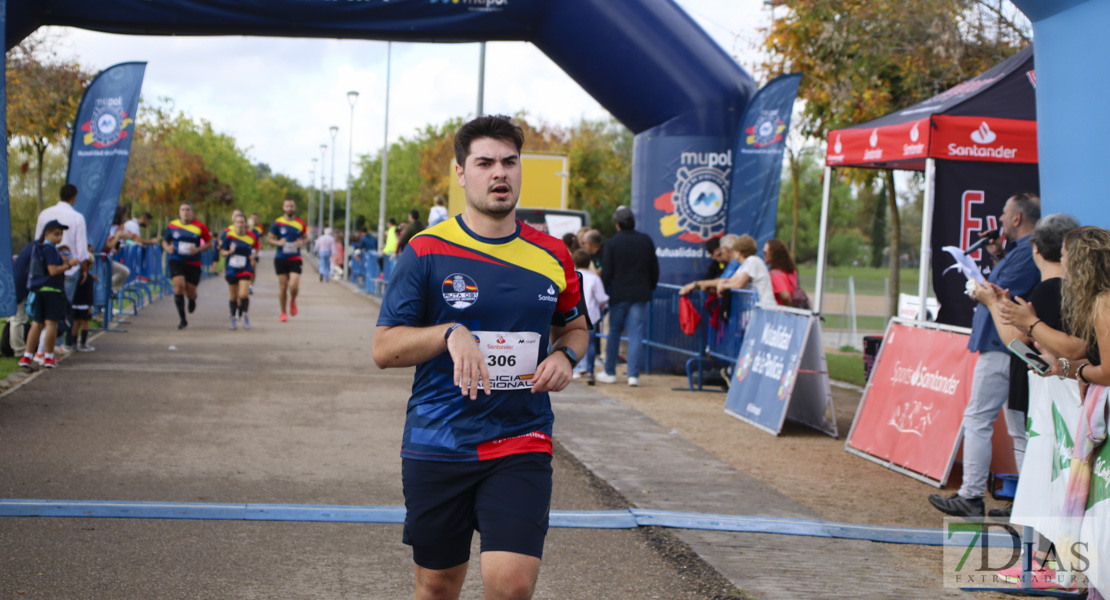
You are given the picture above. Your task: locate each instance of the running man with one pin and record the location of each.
(287, 233)
(474, 303)
(185, 239)
(240, 248)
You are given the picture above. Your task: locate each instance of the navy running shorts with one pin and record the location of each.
(507, 500)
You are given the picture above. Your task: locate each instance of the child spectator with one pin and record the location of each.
(46, 298)
(82, 306)
(593, 291)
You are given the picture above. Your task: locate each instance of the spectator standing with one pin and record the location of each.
(367, 242)
(1047, 245)
(17, 325)
(413, 227)
(630, 272)
(338, 256)
(324, 247)
(593, 292)
(75, 235)
(990, 384)
(571, 242)
(133, 230)
(784, 273)
(82, 308)
(116, 233)
(438, 213)
(46, 299)
(594, 244)
(752, 273)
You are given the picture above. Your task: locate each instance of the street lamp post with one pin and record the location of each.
(385, 150)
(331, 199)
(312, 191)
(352, 98)
(320, 203)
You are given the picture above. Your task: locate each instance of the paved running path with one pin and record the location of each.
(288, 413)
(296, 413)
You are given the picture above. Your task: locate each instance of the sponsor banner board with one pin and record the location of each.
(781, 373)
(984, 139)
(911, 413)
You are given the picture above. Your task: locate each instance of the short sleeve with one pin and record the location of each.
(405, 296)
(1046, 301)
(167, 237)
(780, 282)
(571, 304)
(225, 242)
(50, 255)
(275, 230)
(205, 235)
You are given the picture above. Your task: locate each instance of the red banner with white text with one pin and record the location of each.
(911, 414)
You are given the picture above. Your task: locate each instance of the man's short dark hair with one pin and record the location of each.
(414, 214)
(68, 192)
(498, 127)
(712, 244)
(146, 216)
(391, 221)
(1029, 205)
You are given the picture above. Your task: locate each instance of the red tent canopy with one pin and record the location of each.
(989, 118)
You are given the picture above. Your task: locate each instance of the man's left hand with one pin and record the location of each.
(553, 374)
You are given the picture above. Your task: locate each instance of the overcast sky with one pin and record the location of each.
(278, 96)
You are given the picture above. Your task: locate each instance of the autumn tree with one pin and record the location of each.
(864, 58)
(44, 93)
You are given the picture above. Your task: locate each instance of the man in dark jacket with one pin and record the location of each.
(413, 227)
(630, 271)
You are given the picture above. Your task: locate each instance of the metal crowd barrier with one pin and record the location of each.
(148, 276)
(372, 277)
(706, 345)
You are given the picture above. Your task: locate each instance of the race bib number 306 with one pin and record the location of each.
(511, 358)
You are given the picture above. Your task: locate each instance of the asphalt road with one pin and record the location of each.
(288, 413)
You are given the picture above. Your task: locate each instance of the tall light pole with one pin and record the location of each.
(334, 129)
(385, 149)
(352, 98)
(320, 203)
(312, 191)
(481, 80)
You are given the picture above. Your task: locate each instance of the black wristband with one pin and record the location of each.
(1034, 325)
(1079, 374)
(450, 330)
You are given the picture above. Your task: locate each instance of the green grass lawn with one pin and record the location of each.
(846, 367)
(868, 281)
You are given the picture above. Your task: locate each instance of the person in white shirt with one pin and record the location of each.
(438, 214)
(753, 272)
(324, 247)
(133, 230)
(593, 292)
(76, 236)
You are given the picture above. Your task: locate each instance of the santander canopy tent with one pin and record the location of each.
(976, 143)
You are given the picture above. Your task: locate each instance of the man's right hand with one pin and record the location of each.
(470, 364)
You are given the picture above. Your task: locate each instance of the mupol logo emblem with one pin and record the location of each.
(983, 135)
(767, 130)
(459, 290)
(108, 123)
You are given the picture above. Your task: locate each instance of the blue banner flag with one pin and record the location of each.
(757, 156)
(7, 281)
(102, 144)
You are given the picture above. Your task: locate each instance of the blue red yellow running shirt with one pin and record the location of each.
(288, 231)
(181, 235)
(508, 292)
(242, 246)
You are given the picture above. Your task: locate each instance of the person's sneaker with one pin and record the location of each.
(246, 322)
(1000, 513)
(192, 305)
(604, 377)
(283, 318)
(28, 365)
(957, 505)
(85, 348)
(1040, 571)
(231, 325)
(250, 290)
(39, 357)
(292, 308)
(726, 376)
(634, 381)
(590, 379)
(183, 324)
(49, 363)
(576, 375)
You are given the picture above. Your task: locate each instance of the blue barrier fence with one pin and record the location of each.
(147, 278)
(707, 346)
